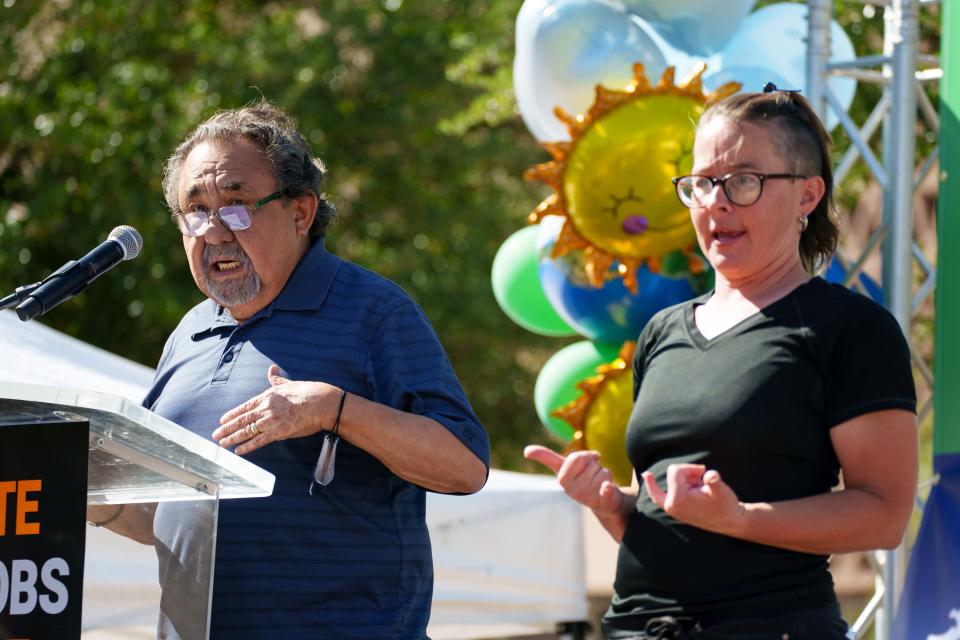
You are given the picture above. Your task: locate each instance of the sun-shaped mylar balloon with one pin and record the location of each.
(612, 181)
(599, 416)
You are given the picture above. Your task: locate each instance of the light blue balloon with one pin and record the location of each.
(774, 39)
(529, 16)
(527, 20)
(564, 48)
(682, 62)
(750, 78)
(699, 27)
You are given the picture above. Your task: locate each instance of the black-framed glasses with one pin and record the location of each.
(742, 188)
(235, 217)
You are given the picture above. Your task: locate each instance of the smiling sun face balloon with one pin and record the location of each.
(612, 180)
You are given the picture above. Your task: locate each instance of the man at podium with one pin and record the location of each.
(321, 372)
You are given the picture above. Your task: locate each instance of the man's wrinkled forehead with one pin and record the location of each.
(218, 167)
(199, 187)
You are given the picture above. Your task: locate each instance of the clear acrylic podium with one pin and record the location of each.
(153, 466)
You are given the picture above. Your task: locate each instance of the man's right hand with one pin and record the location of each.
(582, 477)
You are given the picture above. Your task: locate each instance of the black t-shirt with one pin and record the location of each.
(756, 403)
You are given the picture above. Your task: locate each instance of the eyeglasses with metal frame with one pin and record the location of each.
(235, 217)
(742, 188)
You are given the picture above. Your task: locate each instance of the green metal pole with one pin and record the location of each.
(946, 401)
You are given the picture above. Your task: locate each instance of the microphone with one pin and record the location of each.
(123, 243)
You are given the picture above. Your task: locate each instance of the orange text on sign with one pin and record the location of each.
(24, 506)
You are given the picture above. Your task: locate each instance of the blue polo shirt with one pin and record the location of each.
(349, 560)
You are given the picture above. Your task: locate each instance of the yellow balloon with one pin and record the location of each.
(605, 426)
(617, 180)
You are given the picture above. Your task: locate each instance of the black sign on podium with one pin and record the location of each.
(43, 491)
(62, 450)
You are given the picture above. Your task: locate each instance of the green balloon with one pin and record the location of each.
(516, 286)
(556, 384)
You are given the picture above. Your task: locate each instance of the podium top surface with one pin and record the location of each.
(136, 455)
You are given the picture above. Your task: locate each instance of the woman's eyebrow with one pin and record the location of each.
(731, 168)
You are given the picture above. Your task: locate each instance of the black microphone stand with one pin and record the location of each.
(18, 296)
(27, 309)
(30, 307)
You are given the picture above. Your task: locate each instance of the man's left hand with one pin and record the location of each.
(288, 409)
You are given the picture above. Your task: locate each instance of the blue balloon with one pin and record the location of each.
(700, 27)
(610, 313)
(836, 273)
(683, 63)
(564, 48)
(751, 78)
(773, 40)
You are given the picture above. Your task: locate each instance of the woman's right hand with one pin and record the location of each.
(582, 477)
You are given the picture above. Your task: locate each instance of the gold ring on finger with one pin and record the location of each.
(253, 428)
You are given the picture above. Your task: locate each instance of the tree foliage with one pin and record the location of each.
(95, 95)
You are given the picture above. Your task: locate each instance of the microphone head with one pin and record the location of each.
(129, 238)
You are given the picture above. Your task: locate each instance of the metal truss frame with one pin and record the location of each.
(908, 277)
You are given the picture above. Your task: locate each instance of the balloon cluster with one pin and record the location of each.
(613, 245)
(566, 47)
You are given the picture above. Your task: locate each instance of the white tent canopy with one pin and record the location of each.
(509, 560)
(32, 352)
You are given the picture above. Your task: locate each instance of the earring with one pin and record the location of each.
(804, 222)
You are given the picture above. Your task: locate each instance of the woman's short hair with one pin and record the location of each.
(803, 141)
(286, 151)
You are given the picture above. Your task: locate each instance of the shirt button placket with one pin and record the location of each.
(228, 359)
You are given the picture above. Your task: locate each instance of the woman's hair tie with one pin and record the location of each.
(769, 87)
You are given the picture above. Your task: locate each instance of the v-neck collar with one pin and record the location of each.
(704, 343)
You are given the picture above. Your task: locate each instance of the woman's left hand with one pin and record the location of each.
(697, 496)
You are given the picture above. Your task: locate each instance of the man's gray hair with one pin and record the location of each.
(286, 151)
